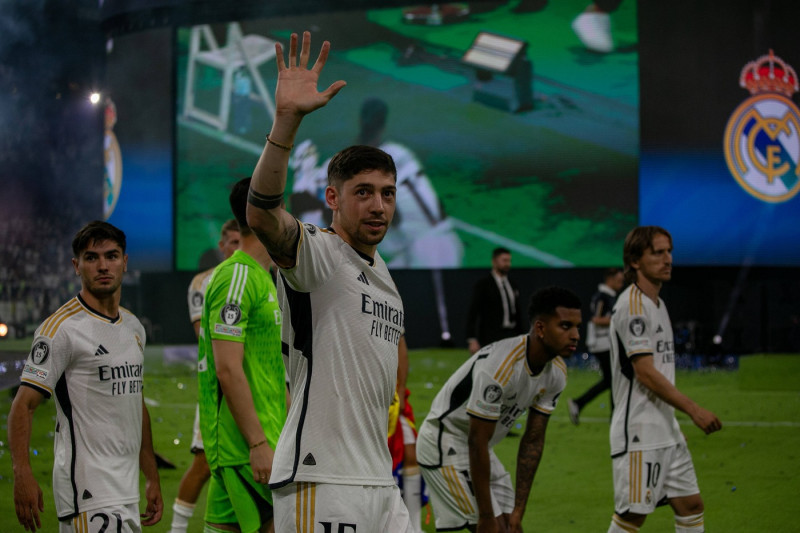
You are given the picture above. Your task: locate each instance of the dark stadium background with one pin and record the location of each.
(53, 53)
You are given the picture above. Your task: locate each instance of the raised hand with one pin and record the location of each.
(296, 93)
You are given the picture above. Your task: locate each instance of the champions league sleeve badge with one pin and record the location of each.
(39, 352)
(492, 393)
(230, 314)
(762, 138)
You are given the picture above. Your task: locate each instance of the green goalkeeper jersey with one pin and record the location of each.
(241, 305)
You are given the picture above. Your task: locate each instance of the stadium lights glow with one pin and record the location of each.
(717, 339)
(3, 330)
(94, 98)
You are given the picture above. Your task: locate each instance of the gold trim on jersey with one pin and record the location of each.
(305, 506)
(37, 385)
(482, 416)
(559, 363)
(636, 305)
(503, 374)
(457, 489)
(52, 323)
(542, 410)
(622, 524)
(80, 523)
(635, 477)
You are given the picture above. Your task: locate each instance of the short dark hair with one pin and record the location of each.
(96, 231)
(544, 301)
(638, 240)
(238, 201)
(611, 272)
(500, 251)
(229, 225)
(357, 159)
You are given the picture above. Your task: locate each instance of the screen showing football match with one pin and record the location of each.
(505, 129)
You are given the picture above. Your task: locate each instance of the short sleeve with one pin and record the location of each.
(318, 257)
(634, 330)
(485, 399)
(46, 362)
(546, 399)
(195, 296)
(229, 302)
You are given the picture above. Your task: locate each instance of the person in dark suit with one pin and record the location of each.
(494, 310)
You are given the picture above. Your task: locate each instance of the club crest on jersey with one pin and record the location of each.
(40, 352)
(230, 314)
(762, 138)
(492, 393)
(637, 327)
(197, 299)
(311, 228)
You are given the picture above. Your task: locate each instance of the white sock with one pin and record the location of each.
(618, 525)
(181, 513)
(412, 487)
(689, 524)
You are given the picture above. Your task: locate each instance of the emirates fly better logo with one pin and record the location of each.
(762, 139)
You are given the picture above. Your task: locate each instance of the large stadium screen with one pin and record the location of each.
(137, 188)
(720, 162)
(536, 150)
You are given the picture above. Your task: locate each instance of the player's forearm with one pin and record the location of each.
(480, 475)
(266, 212)
(147, 453)
(20, 425)
(529, 456)
(236, 390)
(666, 391)
(602, 320)
(402, 368)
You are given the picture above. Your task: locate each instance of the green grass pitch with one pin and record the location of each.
(747, 472)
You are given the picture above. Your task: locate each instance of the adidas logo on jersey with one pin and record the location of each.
(363, 278)
(309, 460)
(659, 329)
(87, 495)
(101, 350)
(451, 451)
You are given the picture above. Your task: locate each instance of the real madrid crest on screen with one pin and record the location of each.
(762, 138)
(113, 162)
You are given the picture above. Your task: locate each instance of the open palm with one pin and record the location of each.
(296, 92)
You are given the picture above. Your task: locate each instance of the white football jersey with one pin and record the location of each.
(196, 295)
(343, 318)
(93, 366)
(494, 384)
(641, 420)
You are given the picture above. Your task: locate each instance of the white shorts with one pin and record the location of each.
(111, 519)
(646, 479)
(453, 499)
(197, 438)
(303, 507)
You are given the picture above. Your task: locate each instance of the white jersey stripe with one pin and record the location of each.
(232, 286)
(241, 282)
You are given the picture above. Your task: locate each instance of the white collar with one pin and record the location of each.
(606, 289)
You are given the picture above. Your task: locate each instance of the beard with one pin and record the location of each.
(370, 238)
